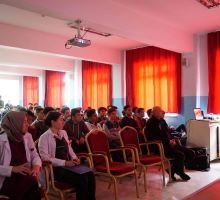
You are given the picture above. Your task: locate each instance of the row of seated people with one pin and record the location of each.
(20, 164)
(76, 128)
(15, 126)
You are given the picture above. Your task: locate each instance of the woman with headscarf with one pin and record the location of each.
(19, 161)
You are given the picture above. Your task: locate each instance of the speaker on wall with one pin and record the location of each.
(185, 62)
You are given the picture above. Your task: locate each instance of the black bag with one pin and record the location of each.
(201, 162)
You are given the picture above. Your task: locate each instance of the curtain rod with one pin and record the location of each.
(137, 47)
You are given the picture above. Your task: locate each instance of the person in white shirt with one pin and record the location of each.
(19, 161)
(93, 119)
(55, 146)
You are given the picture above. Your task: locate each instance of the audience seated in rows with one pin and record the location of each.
(92, 122)
(65, 111)
(76, 130)
(102, 114)
(30, 108)
(157, 129)
(39, 124)
(30, 117)
(20, 164)
(54, 145)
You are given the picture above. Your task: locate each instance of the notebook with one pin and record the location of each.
(79, 169)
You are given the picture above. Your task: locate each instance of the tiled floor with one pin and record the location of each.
(156, 191)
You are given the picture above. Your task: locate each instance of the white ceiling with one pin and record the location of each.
(26, 19)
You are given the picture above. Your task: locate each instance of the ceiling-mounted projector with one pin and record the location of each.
(78, 41)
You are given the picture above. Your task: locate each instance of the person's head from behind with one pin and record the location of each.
(112, 114)
(14, 108)
(65, 112)
(30, 117)
(128, 111)
(36, 104)
(46, 110)
(134, 110)
(92, 116)
(22, 109)
(163, 114)
(39, 113)
(102, 112)
(30, 108)
(140, 112)
(54, 120)
(149, 113)
(85, 115)
(15, 125)
(157, 112)
(57, 109)
(116, 109)
(76, 115)
(109, 107)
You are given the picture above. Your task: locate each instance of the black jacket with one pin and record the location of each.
(157, 130)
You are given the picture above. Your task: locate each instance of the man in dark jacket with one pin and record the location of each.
(157, 130)
(76, 130)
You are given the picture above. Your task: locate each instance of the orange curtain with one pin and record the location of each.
(153, 78)
(96, 84)
(30, 90)
(55, 89)
(214, 72)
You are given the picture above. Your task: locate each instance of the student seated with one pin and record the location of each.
(55, 146)
(39, 114)
(65, 111)
(112, 128)
(39, 124)
(116, 109)
(76, 130)
(134, 111)
(93, 119)
(157, 130)
(30, 117)
(128, 120)
(85, 117)
(19, 162)
(141, 122)
(102, 114)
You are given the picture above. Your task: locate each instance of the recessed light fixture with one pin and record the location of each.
(71, 25)
(210, 3)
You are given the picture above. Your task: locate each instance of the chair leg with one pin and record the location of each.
(140, 172)
(164, 183)
(67, 195)
(136, 180)
(61, 195)
(116, 190)
(145, 179)
(121, 180)
(109, 186)
(169, 168)
(159, 168)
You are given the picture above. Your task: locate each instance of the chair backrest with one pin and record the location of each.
(101, 123)
(36, 145)
(128, 135)
(97, 140)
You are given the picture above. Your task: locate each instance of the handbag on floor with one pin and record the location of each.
(201, 162)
